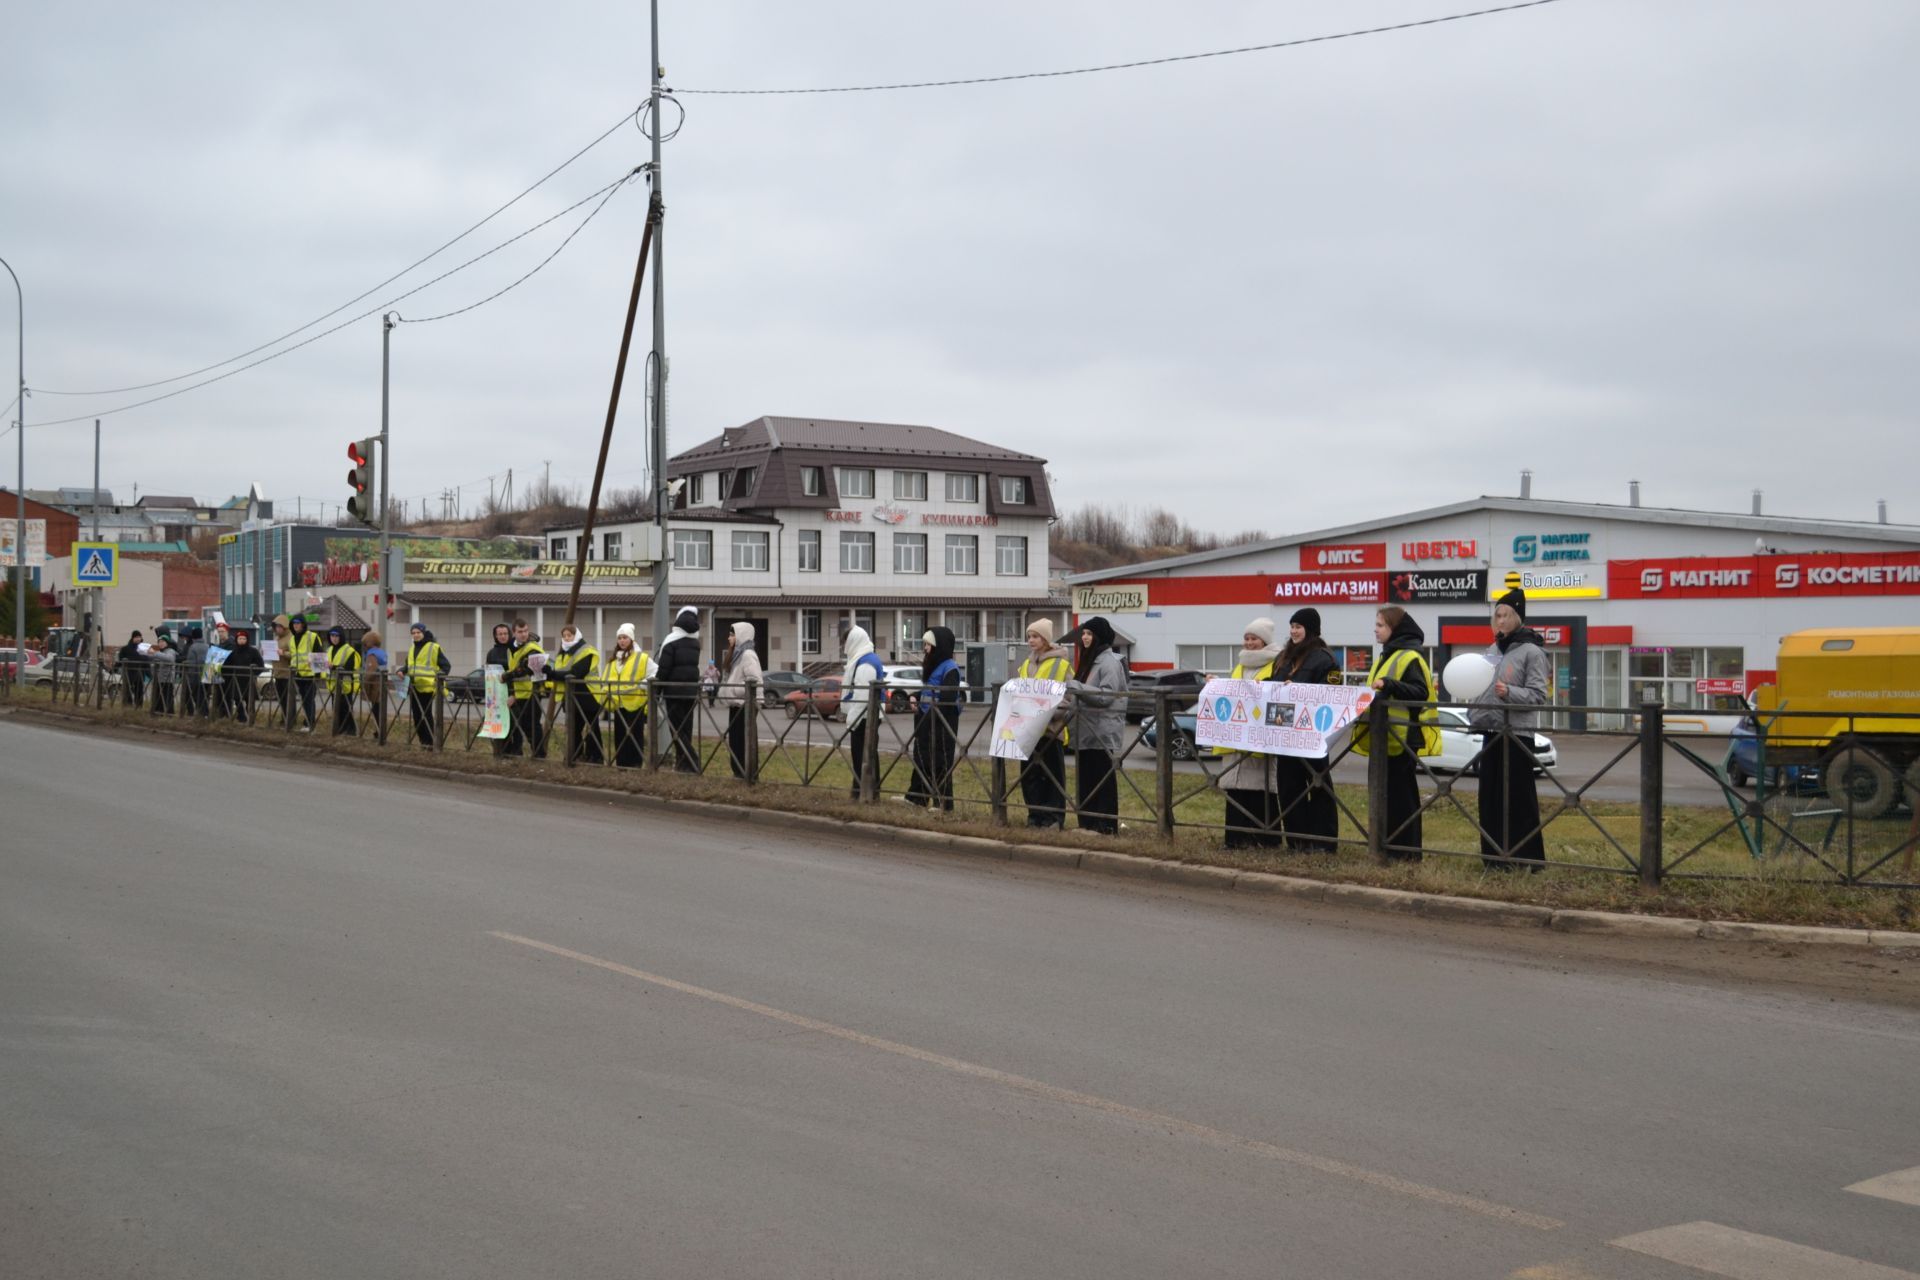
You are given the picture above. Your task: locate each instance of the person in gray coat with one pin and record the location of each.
(1509, 802)
(192, 664)
(1099, 692)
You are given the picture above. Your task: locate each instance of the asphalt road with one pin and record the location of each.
(260, 1018)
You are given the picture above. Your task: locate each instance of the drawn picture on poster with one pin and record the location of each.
(1021, 715)
(493, 723)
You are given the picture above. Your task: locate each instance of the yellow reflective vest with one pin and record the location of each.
(1048, 669)
(622, 681)
(300, 650)
(1402, 720)
(343, 669)
(423, 666)
(586, 657)
(522, 687)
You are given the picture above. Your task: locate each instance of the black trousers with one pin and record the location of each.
(680, 713)
(239, 690)
(737, 740)
(343, 714)
(629, 732)
(933, 740)
(526, 729)
(1098, 791)
(583, 727)
(857, 743)
(1307, 811)
(193, 696)
(1250, 819)
(420, 703)
(303, 691)
(1403, 835)
(1043, 784)
(1509, 802)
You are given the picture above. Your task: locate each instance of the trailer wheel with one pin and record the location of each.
(1912, 780)
(1859, 782)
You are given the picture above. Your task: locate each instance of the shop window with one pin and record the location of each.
(1214, 659)
(912, 627)
(810, 632)
(965, 626)
(557, 549)
(1009, 625)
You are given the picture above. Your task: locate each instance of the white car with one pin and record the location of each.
(1459, 744)
(903, 682)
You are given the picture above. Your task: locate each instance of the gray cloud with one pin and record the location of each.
(1603, 240)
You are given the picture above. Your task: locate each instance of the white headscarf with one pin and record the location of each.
(858, 645)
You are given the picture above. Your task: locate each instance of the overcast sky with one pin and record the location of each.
(1671, 240)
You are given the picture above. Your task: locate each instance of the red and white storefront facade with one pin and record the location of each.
(1632, 600)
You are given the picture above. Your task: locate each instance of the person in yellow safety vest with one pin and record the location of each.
(426, 667)
(343, 679)
(1247, 783)
(524, 685)
(1043, 778)
(1400, 674)
(621, 687)
(300, 644)
(575, 665)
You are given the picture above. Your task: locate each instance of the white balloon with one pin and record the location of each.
(1467, 676)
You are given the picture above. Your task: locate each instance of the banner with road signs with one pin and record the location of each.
(1277, 719)
(494, 724)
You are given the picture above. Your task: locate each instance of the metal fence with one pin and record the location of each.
(1800, 796)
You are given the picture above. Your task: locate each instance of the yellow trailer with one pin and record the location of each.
(1849, 699)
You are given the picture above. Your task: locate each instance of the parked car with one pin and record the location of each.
(1143, 685)
(775, 686)
(903, 682)
(1183, 746)
(820, 698)
(471, 687)
(1460, 744)
(10, 662)
(1743, 765)
(41, 674)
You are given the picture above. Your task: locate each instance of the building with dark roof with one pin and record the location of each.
(797, 524)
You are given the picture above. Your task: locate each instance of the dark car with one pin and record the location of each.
(471, 687)
(1184, 686)
(776, 685)
(1743, 765)
(1183, 727)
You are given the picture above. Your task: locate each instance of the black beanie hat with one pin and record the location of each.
(1308, 618)
(1515, 599)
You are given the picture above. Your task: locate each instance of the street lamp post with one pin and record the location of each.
(20, 492)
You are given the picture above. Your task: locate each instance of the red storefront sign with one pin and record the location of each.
(1555, 635)
(1343, 555)
(1734, 685)
(1790, 576)
(1330, 588)
(1444, 549)
(335, 574)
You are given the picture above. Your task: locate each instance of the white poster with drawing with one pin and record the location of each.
(1021, 714)
(1277, 719)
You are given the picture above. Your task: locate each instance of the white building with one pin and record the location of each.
(795, 524)
(1632, 600)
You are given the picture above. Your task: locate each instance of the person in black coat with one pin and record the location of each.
(501, 656)
(241, 673)
(1405, 681)
(1303, 787)
(936, 722)
(677, 682)
(133, 671)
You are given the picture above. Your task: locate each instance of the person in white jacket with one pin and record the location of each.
(862, 695)
(741, 682)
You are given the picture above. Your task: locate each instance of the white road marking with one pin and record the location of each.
(1903, 1186)
(1742, 1255)
(1072, 1097)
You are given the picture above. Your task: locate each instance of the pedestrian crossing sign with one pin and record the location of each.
(96, 564)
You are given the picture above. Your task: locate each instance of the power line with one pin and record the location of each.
(606, 191)
(1143, 62)
(447, 315)
(147, 386)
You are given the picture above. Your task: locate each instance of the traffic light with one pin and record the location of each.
(360, 478)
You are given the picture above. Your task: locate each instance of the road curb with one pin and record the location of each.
(1482, 911)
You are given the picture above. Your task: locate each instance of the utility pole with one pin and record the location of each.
(383, 599)
(546, 485)
(20, 483)
(662, 608)
(96, 632)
